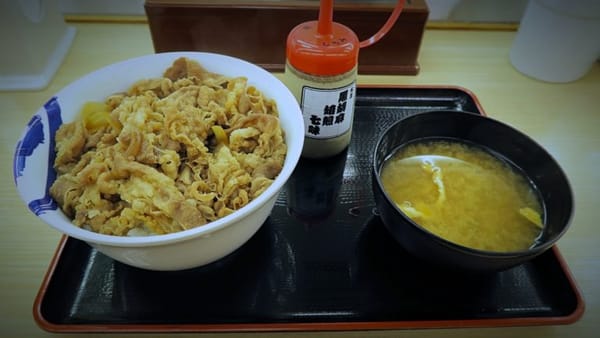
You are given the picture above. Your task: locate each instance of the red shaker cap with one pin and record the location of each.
(325, 47)
(322, 54)
(322, 47)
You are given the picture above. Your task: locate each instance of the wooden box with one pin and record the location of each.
(257, 31)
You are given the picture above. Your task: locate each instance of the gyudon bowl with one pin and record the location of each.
(200, 234)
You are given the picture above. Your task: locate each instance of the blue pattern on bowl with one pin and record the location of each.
(33, 137)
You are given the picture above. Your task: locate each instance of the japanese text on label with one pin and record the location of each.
(328, 112)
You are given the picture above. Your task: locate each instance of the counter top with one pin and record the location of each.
(562, 117)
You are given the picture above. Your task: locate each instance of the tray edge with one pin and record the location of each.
(48, 326)
(577, 313)
(451, 87)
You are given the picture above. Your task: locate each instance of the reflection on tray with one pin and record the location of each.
(313, 188)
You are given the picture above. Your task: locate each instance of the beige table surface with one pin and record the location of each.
(563, 117)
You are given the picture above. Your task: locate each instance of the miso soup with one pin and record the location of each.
(464, 194)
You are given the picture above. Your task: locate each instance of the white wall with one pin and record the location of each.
(476, 10)
(103, 7)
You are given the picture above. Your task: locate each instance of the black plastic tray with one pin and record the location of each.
(322, 261)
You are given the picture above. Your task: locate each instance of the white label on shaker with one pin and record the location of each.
(328, 113)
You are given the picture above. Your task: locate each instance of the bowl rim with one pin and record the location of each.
(531, 251)
(292, 156)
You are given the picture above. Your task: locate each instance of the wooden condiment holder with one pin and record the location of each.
(256, 31)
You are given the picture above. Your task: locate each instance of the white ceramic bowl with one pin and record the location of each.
(34, 157)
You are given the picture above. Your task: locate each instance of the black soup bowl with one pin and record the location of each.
(503, 141)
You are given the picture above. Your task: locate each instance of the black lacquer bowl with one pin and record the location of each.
(501, 139)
